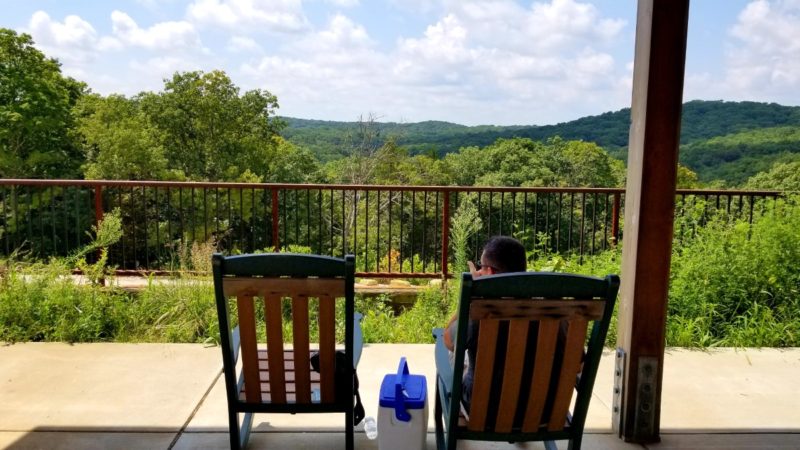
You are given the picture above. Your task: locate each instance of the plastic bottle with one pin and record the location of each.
(370, 428)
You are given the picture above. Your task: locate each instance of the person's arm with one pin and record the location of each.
(450, 332)
(452, 326)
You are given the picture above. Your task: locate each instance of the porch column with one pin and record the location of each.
(660, 55)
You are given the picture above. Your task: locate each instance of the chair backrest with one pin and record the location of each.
(278, 375)
(532, 329)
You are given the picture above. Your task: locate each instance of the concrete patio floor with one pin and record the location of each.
(160, 396)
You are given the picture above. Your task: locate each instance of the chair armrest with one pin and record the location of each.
(442, 356)
(358, 339)
(236, 345)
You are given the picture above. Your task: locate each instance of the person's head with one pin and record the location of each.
(503, 254)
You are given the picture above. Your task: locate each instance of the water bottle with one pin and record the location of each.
(370, 428)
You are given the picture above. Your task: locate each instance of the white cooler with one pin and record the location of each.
(403, 412)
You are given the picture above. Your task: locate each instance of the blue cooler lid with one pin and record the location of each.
(403, 391)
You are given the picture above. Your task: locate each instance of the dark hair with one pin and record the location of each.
(505, 254)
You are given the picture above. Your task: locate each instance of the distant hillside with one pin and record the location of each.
(738, 156)
(702, 121)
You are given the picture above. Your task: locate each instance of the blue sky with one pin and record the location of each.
(472, 62)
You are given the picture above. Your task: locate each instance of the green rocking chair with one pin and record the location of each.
(272, 378)
(531, 358)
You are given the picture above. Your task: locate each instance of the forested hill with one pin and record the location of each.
(701, 120)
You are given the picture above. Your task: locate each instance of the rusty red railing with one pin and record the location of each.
(394, 231)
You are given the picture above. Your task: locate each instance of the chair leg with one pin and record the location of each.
(437, 419)
(247, 425)
(233, 429)
(452, 443)
(575, 443)
(451, 435)
(348, 417)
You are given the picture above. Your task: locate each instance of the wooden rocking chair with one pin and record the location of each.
(530, 360)
(275, 379)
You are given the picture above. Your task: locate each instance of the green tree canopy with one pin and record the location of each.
(784, 176)
(200, 128)
(211, 131)
(687, 178)
(119, 141)
(35, 119)
(523, 162)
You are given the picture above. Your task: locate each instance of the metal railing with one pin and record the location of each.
(394, 231)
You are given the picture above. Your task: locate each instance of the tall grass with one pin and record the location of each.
(734, 284)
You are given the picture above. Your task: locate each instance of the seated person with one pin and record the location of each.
(501, 254)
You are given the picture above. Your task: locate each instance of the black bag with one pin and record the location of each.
(343, 370)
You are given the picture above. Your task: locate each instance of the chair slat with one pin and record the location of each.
(327, 347)
(487, 342)
(247, 333)
(535, 309)
(512, 374)
(274, 318)
(311, 287)
(573, 349)
(301, 354)
(540, 380)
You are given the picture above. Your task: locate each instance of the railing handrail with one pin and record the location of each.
(367, 187)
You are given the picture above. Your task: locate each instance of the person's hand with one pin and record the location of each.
(473, 270)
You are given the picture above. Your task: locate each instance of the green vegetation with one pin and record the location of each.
(714, 135)
(200, 127)
(782, 176)
(36, 125)
(735, 157)
(736, 285)
(732, 284)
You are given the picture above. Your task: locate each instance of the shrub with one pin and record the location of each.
(737, 284)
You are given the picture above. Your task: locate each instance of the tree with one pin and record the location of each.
(365, 152)
(209, 130)
(292, 164)
(35, 120)
(523, 162)
(782, 176)
(587, 164)
(118, 140)
(687, 178)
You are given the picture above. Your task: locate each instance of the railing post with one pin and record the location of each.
(445, 232)
(275, 217)
(615, 219)
(98, 217)
(98, 204)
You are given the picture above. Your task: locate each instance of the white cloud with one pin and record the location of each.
(275, 15)
(483, 62)
(445, 41)
(343, 3)
(164, 66)
(161, 36)
(417, 6)
(73, 41)
(76, 42)
(342, 32)
(336, 71)
(762, 58)
(544, 28)
(767, 58)
(487, 61)
(548, 52)
(243, 44)
(334, 60)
